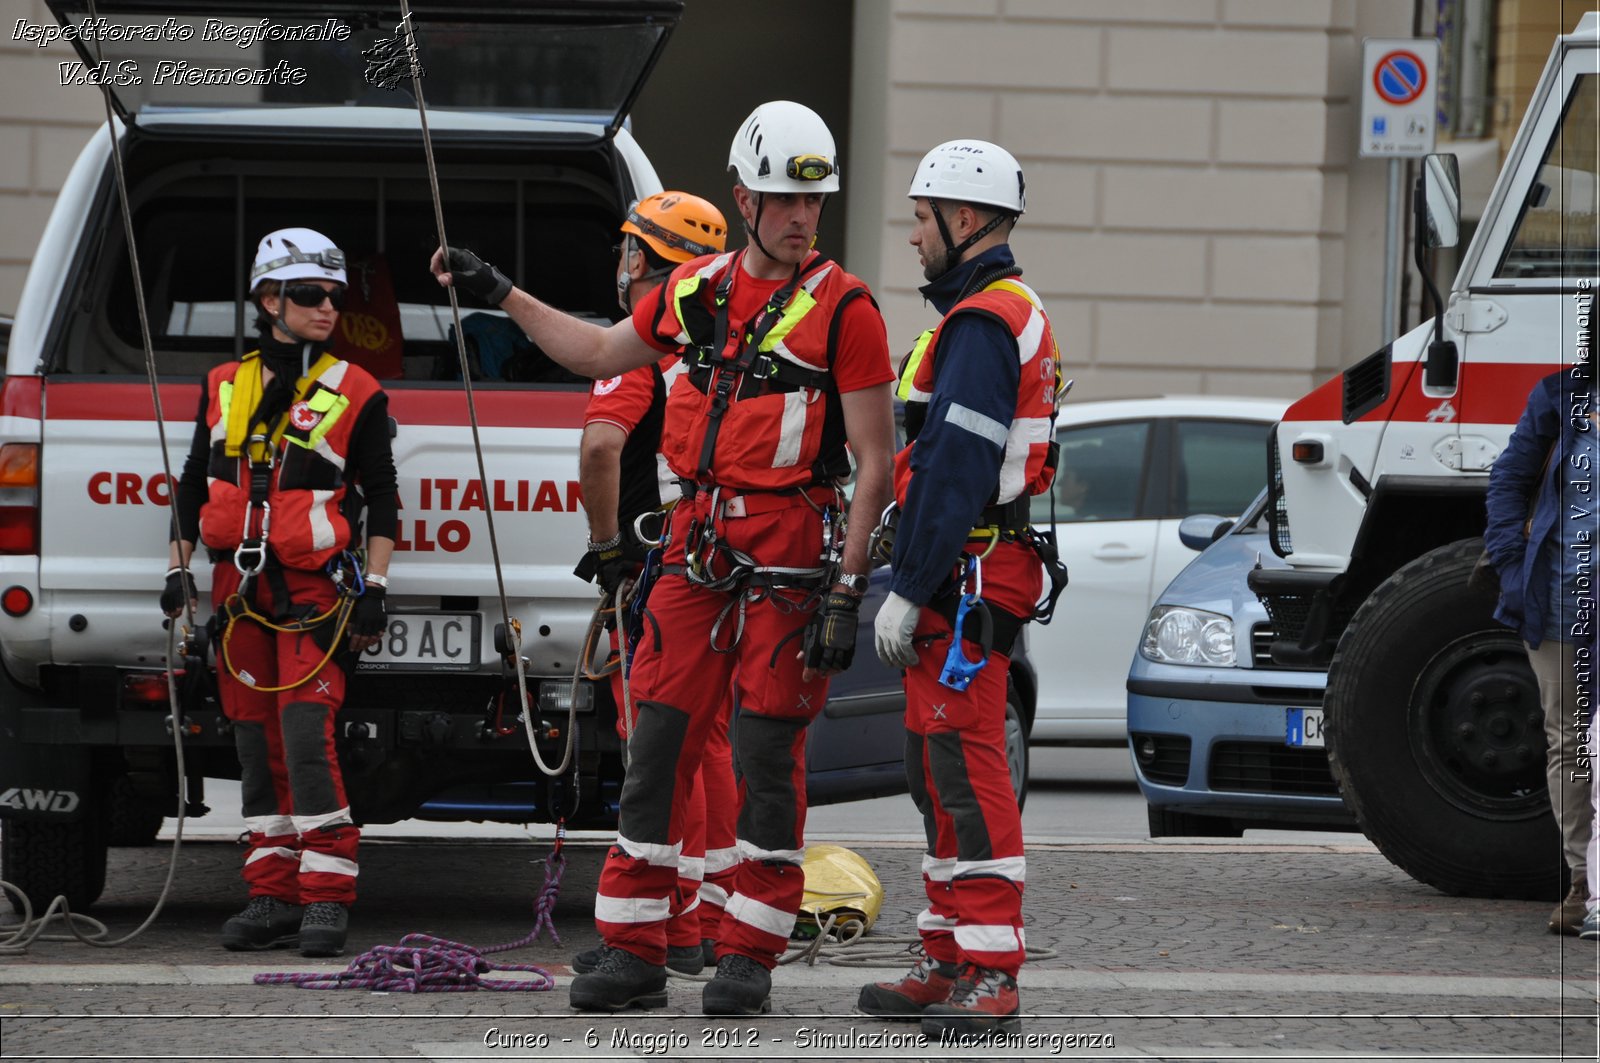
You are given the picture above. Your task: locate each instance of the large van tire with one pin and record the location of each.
(47, 860)
(1436, 738)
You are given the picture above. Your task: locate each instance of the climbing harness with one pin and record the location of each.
(237, 607)
(714, 565)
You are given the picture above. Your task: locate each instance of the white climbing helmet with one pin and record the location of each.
(785, 147)
(971, 171)
(297, 254)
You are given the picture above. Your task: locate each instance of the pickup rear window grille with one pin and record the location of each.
(1171, 764)
(1366, 385)
(1271, 768)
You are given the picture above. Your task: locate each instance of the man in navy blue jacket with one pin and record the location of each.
(1541, 537)
(981, 391)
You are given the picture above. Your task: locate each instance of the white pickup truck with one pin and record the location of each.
(526, 105)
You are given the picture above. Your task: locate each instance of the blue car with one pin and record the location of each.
(1222, 739)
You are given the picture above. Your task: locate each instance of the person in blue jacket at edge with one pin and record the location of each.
(1540, 537)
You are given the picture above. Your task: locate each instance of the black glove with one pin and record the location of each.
(472, 274)
(370, 617)
(607, 564)
(831, 636)
(178, 592)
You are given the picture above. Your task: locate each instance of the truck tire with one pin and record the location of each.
(47, 860)
(131, 819)
(1436, 738)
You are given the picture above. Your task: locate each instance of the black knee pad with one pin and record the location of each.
(766, 761)
(948, 765)
(256, 795)
(305, 754)
(650, 788)
(917, 784)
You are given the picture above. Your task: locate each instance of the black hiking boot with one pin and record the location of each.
(323, 929)
(741, 987)
(265, 923)
(685, 959)
(619, 980)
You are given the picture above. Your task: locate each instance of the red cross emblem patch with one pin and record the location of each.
(303, 417)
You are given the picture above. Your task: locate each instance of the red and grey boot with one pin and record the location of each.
(983, 1001)
(928, 982)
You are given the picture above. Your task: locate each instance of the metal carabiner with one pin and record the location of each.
(257, 547)
(638, 528)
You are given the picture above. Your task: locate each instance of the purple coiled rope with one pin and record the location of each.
(422, 963)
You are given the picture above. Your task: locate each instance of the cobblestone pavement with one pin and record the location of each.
(1183, 951)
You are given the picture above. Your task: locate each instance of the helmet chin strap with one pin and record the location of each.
(754, 230)
(305, 349)
(625, 279)
(952, 250)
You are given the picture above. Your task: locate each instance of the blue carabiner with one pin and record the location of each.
(633, 625)
(959, 670)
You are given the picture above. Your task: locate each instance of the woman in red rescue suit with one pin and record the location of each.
(981, 392)
(786, 358)
(289, 444)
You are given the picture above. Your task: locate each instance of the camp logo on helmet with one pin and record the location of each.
(303, 417)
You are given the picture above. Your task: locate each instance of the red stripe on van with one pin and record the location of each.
(19, 397)
(498, 408)
(1491, 393)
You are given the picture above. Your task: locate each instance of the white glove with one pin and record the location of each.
(897, 619)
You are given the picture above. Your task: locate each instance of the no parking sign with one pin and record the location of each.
(1398, 93)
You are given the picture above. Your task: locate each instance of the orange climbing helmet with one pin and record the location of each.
(678, 226)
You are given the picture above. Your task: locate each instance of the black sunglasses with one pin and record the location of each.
(310, 296)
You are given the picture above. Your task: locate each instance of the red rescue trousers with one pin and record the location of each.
(302, 845)
(710, 849)
(680, 684)
(974, 869)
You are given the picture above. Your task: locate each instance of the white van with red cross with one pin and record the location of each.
(526, 107)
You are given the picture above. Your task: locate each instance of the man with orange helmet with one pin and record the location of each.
(623, 479)
(786, 359)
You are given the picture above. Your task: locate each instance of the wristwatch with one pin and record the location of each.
(855, 583)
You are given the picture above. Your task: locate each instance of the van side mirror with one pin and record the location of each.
(1441, 200)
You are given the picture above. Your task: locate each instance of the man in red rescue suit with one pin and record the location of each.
(981, 393)
(289, 444)
(625, 479)
(786, 358)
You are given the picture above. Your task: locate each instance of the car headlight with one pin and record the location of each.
(1176, 635)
